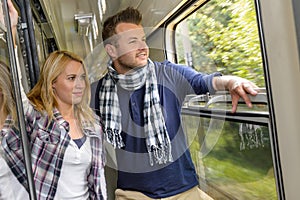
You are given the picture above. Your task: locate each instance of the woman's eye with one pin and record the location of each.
(71, 78)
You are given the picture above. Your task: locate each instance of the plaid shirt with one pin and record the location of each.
(48, 146)
(12, 152)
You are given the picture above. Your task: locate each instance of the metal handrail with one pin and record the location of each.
(16, 86)
(212, 106)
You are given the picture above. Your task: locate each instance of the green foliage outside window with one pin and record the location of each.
(224, 37)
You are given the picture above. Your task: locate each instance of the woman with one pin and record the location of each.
(11, 157)
(65, 134)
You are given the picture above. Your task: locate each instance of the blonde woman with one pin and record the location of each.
(65, 134)
(12, 170)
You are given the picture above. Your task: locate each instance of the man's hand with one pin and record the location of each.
(238, 88)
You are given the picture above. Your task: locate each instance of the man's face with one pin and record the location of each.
(130, 49)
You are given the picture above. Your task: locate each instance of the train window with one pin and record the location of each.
(233, 153)
(222, 36)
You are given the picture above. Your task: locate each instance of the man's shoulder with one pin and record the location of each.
(167, 67)
(163, 63)
(95, 83)
(163, 66)
(94, 86)
(169, 64)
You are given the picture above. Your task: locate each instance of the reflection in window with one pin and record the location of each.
(251, 136)
(13, 180)
(233, 158)
(231, 163)
(12, 170)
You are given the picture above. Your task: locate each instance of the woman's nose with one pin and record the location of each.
(80, 83)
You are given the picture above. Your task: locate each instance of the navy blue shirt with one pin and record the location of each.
(134, 170)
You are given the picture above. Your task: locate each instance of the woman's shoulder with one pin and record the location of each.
(94, 125)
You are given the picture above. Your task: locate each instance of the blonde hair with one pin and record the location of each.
(42, 94)
(8, 104)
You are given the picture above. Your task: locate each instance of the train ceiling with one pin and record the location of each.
(76, 24)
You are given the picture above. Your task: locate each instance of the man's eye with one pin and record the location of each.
(132, 41)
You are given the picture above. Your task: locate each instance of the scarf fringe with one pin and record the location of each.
(114, 137)
(160, 155)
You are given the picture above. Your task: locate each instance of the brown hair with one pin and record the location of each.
(128, 15)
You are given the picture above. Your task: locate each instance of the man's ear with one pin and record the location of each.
(111, 51)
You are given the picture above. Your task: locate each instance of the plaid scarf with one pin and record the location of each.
(157, 138)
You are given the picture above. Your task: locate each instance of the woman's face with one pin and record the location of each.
(70, 85)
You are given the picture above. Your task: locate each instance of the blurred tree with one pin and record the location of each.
(224, 37)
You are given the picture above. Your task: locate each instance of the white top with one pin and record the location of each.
(10, 187)
(73, 183)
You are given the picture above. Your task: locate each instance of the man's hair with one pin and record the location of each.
(128, 15)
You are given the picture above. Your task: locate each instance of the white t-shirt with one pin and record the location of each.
(72, 183)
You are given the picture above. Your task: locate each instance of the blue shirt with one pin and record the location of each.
(134, 170)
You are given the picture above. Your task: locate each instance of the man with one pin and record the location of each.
(140, 101)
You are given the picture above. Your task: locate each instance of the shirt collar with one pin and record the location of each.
(87, 128)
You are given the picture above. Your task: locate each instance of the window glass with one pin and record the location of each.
(233, 159)
(232, 154)
(222, 36)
